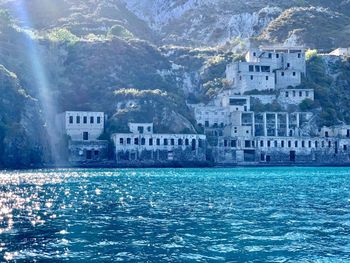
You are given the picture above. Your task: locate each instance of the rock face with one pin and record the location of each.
(22, 136)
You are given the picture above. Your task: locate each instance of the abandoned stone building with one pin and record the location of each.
(144, 147)
(238, 136)
(83, 130)
(267, 68)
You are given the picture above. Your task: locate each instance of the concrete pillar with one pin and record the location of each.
(253, 121)
(276, 124)
(298, 120)
(265, 123)
(287, 124)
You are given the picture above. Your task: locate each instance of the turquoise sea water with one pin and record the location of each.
(176, 215)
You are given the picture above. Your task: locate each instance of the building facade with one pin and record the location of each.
(83, 129)
(149, 148)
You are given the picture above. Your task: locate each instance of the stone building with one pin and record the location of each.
(295, 96)
(83, 129)
(144, 147)
(267, 68)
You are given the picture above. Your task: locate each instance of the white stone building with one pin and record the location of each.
(83, 129)
(81, 125)
(295, 96)
(143, 145)
(267, 68)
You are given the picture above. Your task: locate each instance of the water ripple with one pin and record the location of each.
(176, 215)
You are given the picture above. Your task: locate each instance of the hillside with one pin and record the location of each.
(122, 58)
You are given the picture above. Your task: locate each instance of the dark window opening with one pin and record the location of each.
(78, 119)
(85, 136)
(143, 141)
(70, 119)
(121, 141)
(91, 119)
(233, 143)
(150, 142)
(98, 120)
(136, 141)
(128, 141)
(85, 119)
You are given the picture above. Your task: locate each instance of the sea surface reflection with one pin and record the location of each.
(176, 215)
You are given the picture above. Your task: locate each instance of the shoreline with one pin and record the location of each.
(172, 166)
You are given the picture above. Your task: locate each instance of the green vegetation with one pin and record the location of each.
(62, 35)
(119, 31)
(310, 53)
(330, 80)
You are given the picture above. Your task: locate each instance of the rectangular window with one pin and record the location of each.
(150, 142)
(136, 141)
(294, 93)
(282, 74)
(296, 144)
(233, 143)
(128, 141)
(282, 144)
(98, 120)
(78, 119)
(268, 144)
(257, 68)
(121, 141)
(287, 94)
(294, 74)
(288, 65)
(158, 142)
(307, 94)
(270, 55)
(267, 77)
(299, 55)
(91, 119)
(303, 144)
(251, 68)
(85, 136)
(84, 119)
(251, 77)
(276, 144)
(165, 142)
(261, 143)
(143, 141)
(289, 144)
(277, 55)
(310, 144)
(300, 93)
(172, 142)
(71, 119)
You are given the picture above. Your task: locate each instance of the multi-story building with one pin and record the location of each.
(267, 68)
(83, 129)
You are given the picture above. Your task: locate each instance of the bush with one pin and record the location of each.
(119, 31)
(63, 35)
